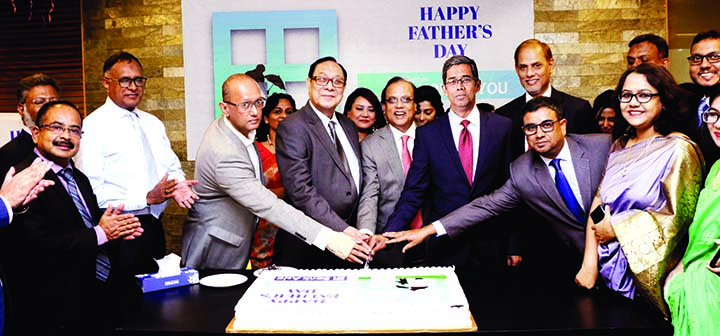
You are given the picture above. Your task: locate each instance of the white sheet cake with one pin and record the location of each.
(389, 300)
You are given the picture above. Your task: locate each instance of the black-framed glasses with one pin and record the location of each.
(322, 81)
(124, 82)
(246, 106)
(712, 57)
(546, 126)
(460, 81)
(394, 100)
(59, 129)
(710, 116)
(641, 97)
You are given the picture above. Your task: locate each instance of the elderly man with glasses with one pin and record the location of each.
(127, 156)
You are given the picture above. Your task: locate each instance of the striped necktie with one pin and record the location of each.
(102, 262)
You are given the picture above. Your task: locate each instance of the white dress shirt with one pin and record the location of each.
(473, 127)
(352, 159)
(397, 138)
(567, 167)
(111, 156)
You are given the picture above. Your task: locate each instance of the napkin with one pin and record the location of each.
(168, 265)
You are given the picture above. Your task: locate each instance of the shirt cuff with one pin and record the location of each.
(322, 238)
(100, 234)
(366, 231)
(439, 228)
(8, 208)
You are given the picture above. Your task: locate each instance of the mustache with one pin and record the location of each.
(68, 144)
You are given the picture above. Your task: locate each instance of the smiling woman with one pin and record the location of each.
(649, 190)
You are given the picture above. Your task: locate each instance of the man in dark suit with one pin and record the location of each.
(318, 155)
(457, 158)
(534, 64)
(532, 181)
(32, 93)
(57, 269)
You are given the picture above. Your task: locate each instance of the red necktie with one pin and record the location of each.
(406, 161)
(466, 151)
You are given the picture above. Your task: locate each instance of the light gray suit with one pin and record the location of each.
(220, 225)
(383, 180)
(530, 181)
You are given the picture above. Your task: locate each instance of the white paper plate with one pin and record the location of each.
(223, 280)
(277, 268)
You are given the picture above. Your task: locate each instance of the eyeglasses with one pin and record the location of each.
(42, 101)
(641, 97)
(460, 81)
(394, 100)
(712, 57)
(322, 81)
(546, 126)
(246, 106)
(60, 129)
(124, 82)
(711, 116)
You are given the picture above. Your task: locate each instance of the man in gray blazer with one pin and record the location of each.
(318, 155)
(220, 226)
(386, 159)
(532, 180)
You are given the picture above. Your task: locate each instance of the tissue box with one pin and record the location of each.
(152, 282)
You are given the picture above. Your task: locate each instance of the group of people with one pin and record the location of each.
(397, 181)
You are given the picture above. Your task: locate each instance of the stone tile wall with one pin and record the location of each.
(588, 38)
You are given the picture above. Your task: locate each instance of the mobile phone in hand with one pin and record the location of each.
(598, 214)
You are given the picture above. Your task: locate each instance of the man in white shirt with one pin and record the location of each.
(127, 157)
(387, 155)
(219, 228)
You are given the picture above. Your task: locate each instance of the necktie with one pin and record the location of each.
(704, 106)
(149, 159)
(466, 151)
(566, 192)
(406, 161)
(338, 145)
(102, 262)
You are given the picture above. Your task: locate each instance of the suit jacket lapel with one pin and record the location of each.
(319, 130)
(582, 172)
(447, 137)
(484, 139)
(546, 182)
(388, 148)
(239, 144)
(62, 194)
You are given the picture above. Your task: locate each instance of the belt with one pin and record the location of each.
(138, 212)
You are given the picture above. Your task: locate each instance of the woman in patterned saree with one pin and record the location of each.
(649, 190)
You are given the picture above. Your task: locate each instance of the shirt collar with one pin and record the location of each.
(246, 140)
(119, 110)
(473, 117)
(397, 134)
(323, 118)
(55, 167)
(564, 154)
(547, 93)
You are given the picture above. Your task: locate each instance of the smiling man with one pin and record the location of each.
(318, 155)
(219, 227)
(534, 64)
(128, 158)
(533, 182)
(460, 156)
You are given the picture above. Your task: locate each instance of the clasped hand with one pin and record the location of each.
(118, 225)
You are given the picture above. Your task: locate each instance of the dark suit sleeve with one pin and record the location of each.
(293, 153)
(416, 183)
(482, 208)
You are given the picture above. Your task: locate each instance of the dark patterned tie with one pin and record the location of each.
(340, 151)
(566, 192)
(102, 263)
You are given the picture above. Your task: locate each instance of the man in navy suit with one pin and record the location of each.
(460, 156)
(32, 93)
(534, 64)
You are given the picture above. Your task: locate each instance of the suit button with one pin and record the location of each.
(348, 193)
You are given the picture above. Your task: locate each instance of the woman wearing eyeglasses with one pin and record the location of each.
(692, 289)
(277, 108)
(648, 192)
(364, 109)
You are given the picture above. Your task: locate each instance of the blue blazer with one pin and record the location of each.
(436, 170)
